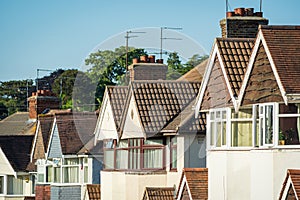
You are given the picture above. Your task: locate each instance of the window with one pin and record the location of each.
(266, 121)
(134, 154)
(71, 170)
(40, 172)
(33, 181)
(57, 174)
(289, 124)
(109, 153)
(218, 128)
(1, 184)
(241, 128)
(173, 150)
(49, 174)
(153, 156)
(14, 185)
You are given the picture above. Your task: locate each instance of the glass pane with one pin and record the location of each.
(1, 184)
(14, 185)
(122, 159)
(212, 116)
(269, 124)
(71, 161)
(223, 114)
(57, 175)
(123, 144)
(241, 134)
(218, 132)
(153, 158)
(174, 157)
(224, 133)
(289, 130)
(218, 115)
(41, 178)
(153, 142)
(174, 140)
(109, 159)
(71, 174)
(134, 159)
(49, 173)
(212, 134)
(86, 174)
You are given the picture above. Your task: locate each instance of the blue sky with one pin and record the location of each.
(61, 33)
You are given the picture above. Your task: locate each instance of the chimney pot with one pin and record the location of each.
(230, 14)
(151, 59)
(144, 58)
(160, 61)
(239, 11)
(135, 60)
(249, 11)
(259, 14)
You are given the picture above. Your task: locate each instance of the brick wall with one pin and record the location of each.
(241, 27)
(42, 192)
(148, 72)
(41, 100)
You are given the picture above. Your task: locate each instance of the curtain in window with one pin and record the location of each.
(71, 174)
(153, 158)
(14, 185)
(122, 159)
(49, 173)
(109, 159)
(57, 174)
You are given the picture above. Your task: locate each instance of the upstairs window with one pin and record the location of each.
(218, 127)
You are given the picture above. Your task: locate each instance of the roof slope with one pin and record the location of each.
(159, 102)
(75, 130)
(159, 193)
(235, 54)
(196, 179)
(294, 175)
(283, 44)
(46, 123)
(17, 150)
(117, 96)
(17, 124)
(94, 191)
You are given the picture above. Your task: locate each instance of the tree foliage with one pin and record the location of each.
(177, 69)
(108, 67)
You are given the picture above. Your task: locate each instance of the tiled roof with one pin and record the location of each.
(197, 181)
(94, 191)
(75, 130)
(159, 102)
(294, 174)
(159, 193)
(283, 43)
(187, 123)
(117, 96)
(17, 124)
(235, 54)
(46, 123)
(17, 150)
(196, 74)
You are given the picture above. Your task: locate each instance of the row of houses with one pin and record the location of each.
(228, 129)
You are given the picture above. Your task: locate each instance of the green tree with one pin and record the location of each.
(177, 69)
(63, 87)
(108, 67)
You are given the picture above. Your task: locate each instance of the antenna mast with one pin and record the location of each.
(260, 6)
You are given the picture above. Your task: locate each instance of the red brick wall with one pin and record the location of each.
(42, 192)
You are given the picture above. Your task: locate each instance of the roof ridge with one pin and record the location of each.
(280, 27)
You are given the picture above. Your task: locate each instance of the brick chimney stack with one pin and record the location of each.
(146, 68)
(242, 23)
(41, 100)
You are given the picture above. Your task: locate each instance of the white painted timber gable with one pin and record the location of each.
(132, 126)
(5, 166)
(106, 127)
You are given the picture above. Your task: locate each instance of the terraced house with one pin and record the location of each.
(250, 96)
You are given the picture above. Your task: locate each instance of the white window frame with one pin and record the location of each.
(262, 122)
(214, 123)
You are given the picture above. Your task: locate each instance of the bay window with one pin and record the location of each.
(134, 154)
